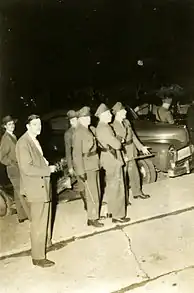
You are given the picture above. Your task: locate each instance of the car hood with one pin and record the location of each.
(155, 131)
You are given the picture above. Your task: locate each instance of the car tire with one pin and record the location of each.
(147, 171)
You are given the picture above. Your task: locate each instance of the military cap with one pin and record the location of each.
(83, 112)
(71, 114)
(7, 119)
(117, 107)
(101, 109)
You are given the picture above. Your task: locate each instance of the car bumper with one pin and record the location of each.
(183, 168)
(181, 163)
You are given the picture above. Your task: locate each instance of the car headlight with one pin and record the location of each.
(173, 155)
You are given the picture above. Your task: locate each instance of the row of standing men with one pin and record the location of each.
(29, 171)
(112, 147)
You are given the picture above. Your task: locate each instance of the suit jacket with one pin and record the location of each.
(8, 155)
(68, 138)
(124, 131)
(85, 157)
(34, 172)
(106, 139)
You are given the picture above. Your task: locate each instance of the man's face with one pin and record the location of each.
(106, 116)
(122, 114)
(73, 122)
(35, 126)
(86, 120)
(10, 126)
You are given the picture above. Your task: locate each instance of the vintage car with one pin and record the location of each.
(170, 145)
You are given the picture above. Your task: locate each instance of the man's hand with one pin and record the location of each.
(71, 172)
(53, 168)
(145, 150)
(126, 159)
(83, 177)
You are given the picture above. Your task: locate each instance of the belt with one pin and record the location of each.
(128, 142)
(90, 154)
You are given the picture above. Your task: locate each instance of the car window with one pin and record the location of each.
(59, 123)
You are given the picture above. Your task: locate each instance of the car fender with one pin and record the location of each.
(161, 159)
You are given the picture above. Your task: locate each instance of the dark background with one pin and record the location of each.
(50, 48)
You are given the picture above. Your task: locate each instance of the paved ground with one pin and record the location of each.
(152, 253)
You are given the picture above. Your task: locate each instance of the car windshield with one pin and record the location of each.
(131, 114)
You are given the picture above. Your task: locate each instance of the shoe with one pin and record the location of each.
(95, 223)
(142, 196)
(22, 220)
(121, 220)
(43, 263)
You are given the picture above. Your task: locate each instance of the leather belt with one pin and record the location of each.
(128, 142)
(90, 154)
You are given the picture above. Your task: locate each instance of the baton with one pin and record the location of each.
(143, 156)
(89, 191)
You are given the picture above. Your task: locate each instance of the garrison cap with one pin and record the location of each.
(117, 107)
(71, 114)
(101, 109)
(83, 112)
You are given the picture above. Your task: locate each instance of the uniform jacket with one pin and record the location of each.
(85, 157)
(124, 132)
(164, 115)
(68, 138)
(34, 172)
(8, 154)
(190, 118)
(106, 137)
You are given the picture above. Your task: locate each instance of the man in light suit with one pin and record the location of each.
(35, 185)
(8, 158)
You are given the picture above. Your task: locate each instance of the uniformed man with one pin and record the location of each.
(8, 158)
(86, 164)
(112, 162)
(131, 146)
(68, 138)
(163, 114)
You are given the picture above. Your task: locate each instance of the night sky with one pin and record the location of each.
(48, 48)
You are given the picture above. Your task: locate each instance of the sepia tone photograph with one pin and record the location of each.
(96, 146)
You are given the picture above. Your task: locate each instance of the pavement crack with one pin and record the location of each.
(142, 273)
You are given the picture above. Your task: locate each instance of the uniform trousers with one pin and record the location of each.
(115, 191)
(92, 194)
(132, 171)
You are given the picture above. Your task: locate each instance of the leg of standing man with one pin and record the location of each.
(21, 212)
(92, 197)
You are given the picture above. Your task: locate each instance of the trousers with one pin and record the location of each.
(19, 199)
(115, 191)
(132, 171)
(40, 228)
